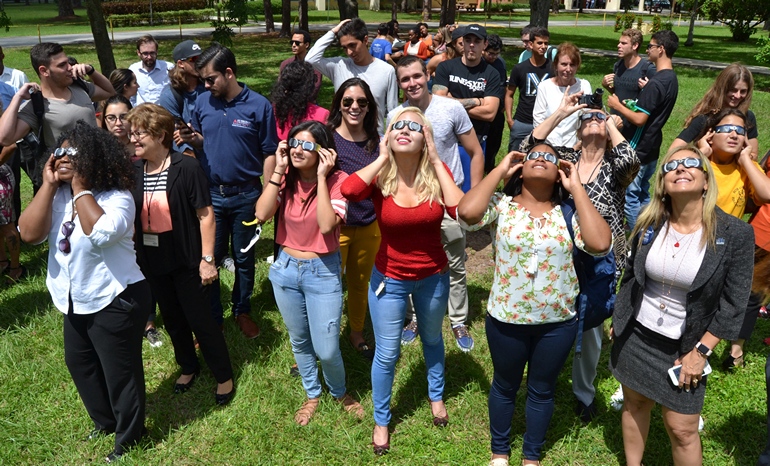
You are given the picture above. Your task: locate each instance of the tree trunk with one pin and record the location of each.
(448, 12)
(348, 8)
(394, 10)
(426, 10)
(555, 6)
(77, 4)
(285, 18)
(693, 13)
(538, 12)
(580, 5)
(303, 15)
(269, 21)
(101, 36)
(65, 8)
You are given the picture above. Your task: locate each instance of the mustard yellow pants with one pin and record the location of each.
(358, 246)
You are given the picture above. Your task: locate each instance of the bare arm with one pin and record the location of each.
(474, 203)
(569, 105)
(449, 190)
(593, 228)
(636, 118)
(486, 109)
(509, 94)
(267, 204)
(441, 90)
(11, 127)
(470, 143)
(103, 88)
(208, 227)
(757, 177)
(35, 220)
(326, 216)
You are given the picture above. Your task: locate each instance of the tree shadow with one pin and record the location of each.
(742, 434)
(27, 299)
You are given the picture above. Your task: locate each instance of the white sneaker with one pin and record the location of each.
(616, 400)
(228, 264)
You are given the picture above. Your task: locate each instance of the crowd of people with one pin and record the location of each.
(151, 181)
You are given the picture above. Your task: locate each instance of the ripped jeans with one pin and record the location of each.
(309, 295)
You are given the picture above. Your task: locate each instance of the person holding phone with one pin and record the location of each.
(685, 288)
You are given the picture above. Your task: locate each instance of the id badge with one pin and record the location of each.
(150, 239)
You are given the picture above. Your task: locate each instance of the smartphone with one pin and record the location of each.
(673, 373)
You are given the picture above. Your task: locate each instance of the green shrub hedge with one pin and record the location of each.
(132, 7)
(163, 17)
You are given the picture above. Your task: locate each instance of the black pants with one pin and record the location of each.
(494, 140)
(103, 352)
(186, 308)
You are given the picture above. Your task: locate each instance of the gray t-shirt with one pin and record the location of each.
(59, 115)
(448, 118)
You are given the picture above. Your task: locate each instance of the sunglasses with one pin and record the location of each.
(113, 118)
(729, 129)
(193, 59)
(210, 80)
(306, 145)
(412, 125)
(649, 46)
(66, 229)
(547, 156)
(60, 152)
(598, 115)
(689, 162)
(295, 42)
(348, 101)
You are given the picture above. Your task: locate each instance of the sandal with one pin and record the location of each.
(306, 411)
(365, 350)
(352, 406)
(731, 363)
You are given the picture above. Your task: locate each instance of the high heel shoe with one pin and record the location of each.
(183, 387)
(380, 450)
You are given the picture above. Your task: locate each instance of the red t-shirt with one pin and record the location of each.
(411, 246)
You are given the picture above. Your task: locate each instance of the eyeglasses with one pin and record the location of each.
(729, 129)
(139, 135)
(306, 145)
(66, 229)
(148, 54)
(412, 125)
(598, 115)
(547, 156)
(113, 118)
(210, 80)
(60, 152)
(295, 42)
(649, 46)
(348, 101)
(689, 162)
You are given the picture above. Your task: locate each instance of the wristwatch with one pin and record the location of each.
(89, 73)
(208, 259)
(703, 349)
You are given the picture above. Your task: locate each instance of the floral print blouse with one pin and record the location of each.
(535, 281)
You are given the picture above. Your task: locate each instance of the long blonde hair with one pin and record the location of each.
(426, 183)
(658, 211)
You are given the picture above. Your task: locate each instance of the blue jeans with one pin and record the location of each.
(309, 295)
(545, 348)
(638, 193)
(519, 132)
(229, 213)
(388, 309)
(465, 161)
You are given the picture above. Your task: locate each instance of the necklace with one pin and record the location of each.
(152, 192)
(592, 171)
(667, 296)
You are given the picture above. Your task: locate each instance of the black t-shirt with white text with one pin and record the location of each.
(525, 77)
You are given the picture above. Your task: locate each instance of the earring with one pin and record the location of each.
(663, 199)
(704, 194)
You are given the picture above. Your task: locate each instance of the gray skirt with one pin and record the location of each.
(640, 360)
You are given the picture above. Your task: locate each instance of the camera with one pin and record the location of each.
(593, 100)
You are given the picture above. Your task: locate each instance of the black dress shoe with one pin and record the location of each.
(224, 398)
(183, 387)
(97, 433)
(113, 457)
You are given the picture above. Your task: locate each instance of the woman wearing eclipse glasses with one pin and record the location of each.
(684, 289)
(607, 164)
(410, 188)
(85, 209)
(739, 179)
(531, 313)
(305, 274)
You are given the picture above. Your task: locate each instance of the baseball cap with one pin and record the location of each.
(185, 50)
(475, 30)
(458, 33)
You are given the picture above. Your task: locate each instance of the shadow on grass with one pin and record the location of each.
(743, 435)
(26, 300)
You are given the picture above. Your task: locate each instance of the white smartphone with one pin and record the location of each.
(673, 373)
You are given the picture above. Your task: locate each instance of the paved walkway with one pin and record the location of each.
(171, 34)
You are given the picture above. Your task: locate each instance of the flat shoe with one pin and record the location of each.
(365, 351)
(183, 387)
(441, 421)
(224, 398)
(380, 450)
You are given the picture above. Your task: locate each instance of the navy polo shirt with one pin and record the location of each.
(236, 136)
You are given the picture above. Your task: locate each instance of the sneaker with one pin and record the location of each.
(248, 327)
(763, 313)
(616, 400)
(701, 423)
(228, 264)
(586, 413)
(409, 334)
(152, 335)
(463, 338)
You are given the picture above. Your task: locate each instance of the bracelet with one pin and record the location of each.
(274, 183)
(81, 194)
(277, 173)
(89, 73)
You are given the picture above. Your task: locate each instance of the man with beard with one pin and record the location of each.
(151, 73)
(235, 127)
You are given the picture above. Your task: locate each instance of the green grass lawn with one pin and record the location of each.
(43, 421)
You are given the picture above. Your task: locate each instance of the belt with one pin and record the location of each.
(233, 189)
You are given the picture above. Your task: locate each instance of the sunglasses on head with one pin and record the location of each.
(60, 152)
(306, 145)
(688, 162)
(547, 156)
(598, 115)
(412, 125)
(729, 129)
(348, 101)
(66, 229)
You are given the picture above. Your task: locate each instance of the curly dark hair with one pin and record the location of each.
(371, 120)
(323, 137)
(101, 159)
(293, 92)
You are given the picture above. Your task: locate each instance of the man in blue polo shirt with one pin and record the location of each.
(235, 127)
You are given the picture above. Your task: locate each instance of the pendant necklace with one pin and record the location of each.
(662, 305)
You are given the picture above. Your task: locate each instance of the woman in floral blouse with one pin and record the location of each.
(531, 309)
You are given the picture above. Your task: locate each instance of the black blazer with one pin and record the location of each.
(718, 296)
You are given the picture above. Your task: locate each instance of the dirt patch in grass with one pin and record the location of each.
(478, 247)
